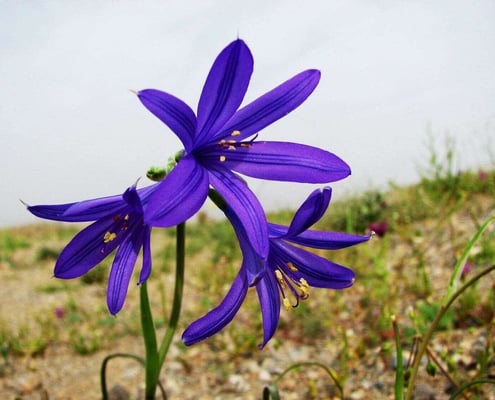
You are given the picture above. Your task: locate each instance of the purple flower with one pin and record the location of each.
(218, 141)
(289, 271)
(380, 228)
(119, 223)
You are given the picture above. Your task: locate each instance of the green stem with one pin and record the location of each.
(154, 357)
(433, 326)
(152, 367)
(103, 370)
(399, 373)
(178, 290)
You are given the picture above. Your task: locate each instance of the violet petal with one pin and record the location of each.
(224, 89)
(220, 316)
(173, 112)
(180, 195)
(283, 161)
(272, 106)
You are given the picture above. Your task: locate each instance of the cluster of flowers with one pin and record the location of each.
(220, 142)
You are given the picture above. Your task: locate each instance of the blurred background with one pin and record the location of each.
(397, 76)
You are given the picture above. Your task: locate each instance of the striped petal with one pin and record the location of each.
(245, 205)
(310, 211)
(224, 89)
(283, 161)
(326, 240)
(318, 271)
(251, 261)
(269, 299)
(122, 268)
(220, 316)
(173, 112)
(179, 196)
(86, 250)
(272, 106)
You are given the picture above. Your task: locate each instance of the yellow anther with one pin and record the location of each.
(279, 277)
(292, 267)
(235, 133)
(246, 145)
(222, 141)
(230, 141)
(109, 236)
(222, 158)
(126, 217)
(287, 304)
(231, 148)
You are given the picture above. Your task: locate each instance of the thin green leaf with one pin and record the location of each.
(456, 275)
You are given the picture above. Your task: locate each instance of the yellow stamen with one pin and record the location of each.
(222, 158)
(280, 278)
(292, 267)
(231, 148)
(109, 236)
(287, 304)
(235, 133)
(303, 288)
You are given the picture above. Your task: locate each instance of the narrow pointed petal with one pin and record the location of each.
(318, 271)
(251, 261)
(272, 106)
(224, 89)
(284, 161)
(173, 112)
(269, 299)
(86, 250)
(121, 272)
(180, 195)
(310, 211)
(146, 269)
(327, 240)
(220, 316)
(88, 210)
(245, 205)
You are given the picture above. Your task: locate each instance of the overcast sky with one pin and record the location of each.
(391, 72)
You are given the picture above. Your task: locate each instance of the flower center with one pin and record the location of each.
(232, 144)
(298, 289)
(120, 225)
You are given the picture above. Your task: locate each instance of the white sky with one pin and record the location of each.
(391, 70)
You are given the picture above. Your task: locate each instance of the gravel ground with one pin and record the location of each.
(215, 369)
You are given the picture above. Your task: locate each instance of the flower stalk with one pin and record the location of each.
(156, 357)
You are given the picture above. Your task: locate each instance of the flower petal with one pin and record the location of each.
(88, 210)
(283, 161)
(86, 250)
(121, 272)
(272, 106)
(245, 205)
(146, 269)
(318, 271)
(310, 211)
(251, 261)
(327, 240)
(224, 89)
(220, 316)
(173, 112)
(269, 299)
(180, 195)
